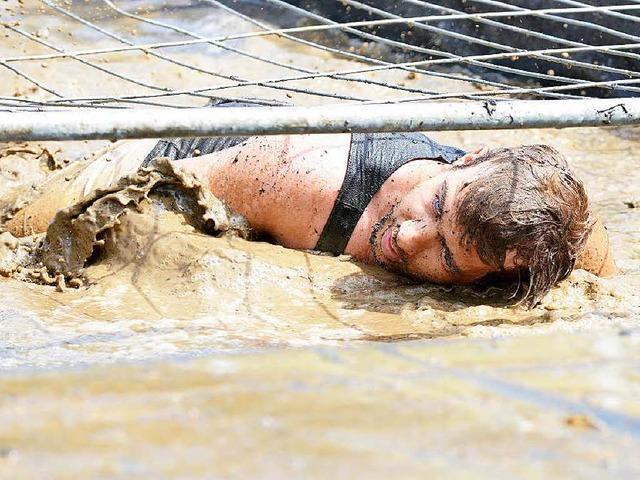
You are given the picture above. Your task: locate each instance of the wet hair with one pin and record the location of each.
(526, 204)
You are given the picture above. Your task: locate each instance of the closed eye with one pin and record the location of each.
(436, 203)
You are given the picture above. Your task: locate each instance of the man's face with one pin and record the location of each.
(419, 235)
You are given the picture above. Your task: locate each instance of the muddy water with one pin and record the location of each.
(464, 409)
(184, 292)
(161, 289)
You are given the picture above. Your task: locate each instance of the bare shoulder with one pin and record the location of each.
(285, 185)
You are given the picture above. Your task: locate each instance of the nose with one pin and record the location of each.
(416, 236)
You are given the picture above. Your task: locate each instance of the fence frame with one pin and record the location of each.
(101, 123)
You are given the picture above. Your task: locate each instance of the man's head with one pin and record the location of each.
(510, 210)
(526, 210)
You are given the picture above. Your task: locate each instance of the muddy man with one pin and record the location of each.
(402, 201)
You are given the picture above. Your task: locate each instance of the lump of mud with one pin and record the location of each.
(78, 232)
(14, 253)
(23, 166)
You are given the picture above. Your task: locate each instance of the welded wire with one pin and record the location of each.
(29, 78)
(177, 62)
(495, 56)
(376, 38)
(511, 50)
(354, 62)
(311, 73)
(316, 28)
(335, 25)
(86, 62)
(457, 58)
(554, 38)
(352, 55)
(568, 21)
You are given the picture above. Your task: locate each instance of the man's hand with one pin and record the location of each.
(469, 156)
(596, 257)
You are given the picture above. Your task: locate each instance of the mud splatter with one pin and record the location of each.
(77, 232)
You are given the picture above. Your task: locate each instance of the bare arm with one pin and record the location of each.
(284, 185)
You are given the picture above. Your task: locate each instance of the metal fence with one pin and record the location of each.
(346, 65)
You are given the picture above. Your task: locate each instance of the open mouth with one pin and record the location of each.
(388, 246)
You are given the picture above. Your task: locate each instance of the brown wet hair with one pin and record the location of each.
(527, 202)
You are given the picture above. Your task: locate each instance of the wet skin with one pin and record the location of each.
(408, 227)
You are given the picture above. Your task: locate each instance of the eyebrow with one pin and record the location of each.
(450, 264)
(443, 198)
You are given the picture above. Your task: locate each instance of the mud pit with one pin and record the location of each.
(154, 277)
(181, 341)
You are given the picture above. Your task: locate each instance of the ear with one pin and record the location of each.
(467, 157)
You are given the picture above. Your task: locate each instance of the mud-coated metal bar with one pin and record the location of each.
(86, 124)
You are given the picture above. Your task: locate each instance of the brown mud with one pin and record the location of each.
(161, 286)
(78, 231)
(145, 260)
(98, 375)
(469, 408)
(22, 168)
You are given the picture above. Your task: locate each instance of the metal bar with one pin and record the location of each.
(151, 123)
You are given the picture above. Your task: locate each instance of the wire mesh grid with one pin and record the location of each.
(119, 54)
